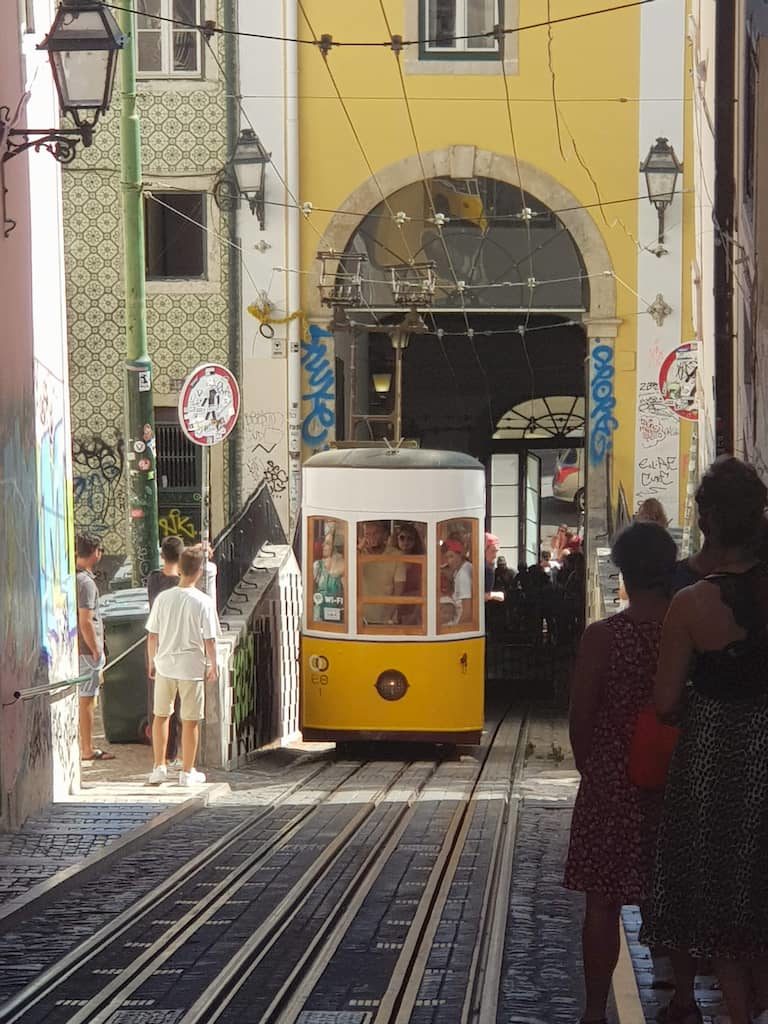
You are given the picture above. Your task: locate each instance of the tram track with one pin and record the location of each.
(260, 932)
(241, 985)
(23, 1002)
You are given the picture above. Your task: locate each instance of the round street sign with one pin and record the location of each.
(677, 381)
(209, 404)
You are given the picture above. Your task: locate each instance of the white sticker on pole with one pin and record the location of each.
(209, 404)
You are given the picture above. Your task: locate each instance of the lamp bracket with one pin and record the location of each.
(61, 143)
(257, 205)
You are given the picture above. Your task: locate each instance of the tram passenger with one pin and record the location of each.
(377, 578)
(408, 574)
(328, 577)
(461, 575)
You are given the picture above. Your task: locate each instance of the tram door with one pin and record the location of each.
(514, 505)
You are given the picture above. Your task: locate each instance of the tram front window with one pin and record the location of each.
(391, 573)
(458, 579)
(327, 554)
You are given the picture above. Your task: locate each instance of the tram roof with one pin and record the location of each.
(391, 458)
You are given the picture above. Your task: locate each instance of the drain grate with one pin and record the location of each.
(146, 1017)
(334, 1017)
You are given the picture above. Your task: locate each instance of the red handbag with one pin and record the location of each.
(651, 749)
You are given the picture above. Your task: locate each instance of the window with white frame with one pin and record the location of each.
(457, 29)
(165, 44)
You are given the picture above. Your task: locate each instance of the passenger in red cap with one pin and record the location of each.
(461, 575)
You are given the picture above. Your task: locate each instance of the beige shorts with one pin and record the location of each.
(191, 694)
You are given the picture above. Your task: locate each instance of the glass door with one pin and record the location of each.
(532, 509)
(505, 505)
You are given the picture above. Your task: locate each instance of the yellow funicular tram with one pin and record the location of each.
(393, 639)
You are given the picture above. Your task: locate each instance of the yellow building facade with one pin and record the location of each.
(530, 141)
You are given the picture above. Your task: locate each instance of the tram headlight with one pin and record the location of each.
(391, 684)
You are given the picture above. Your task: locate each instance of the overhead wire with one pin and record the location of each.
(210, 28)
(307, 209)
(396, 51)
(526, 216)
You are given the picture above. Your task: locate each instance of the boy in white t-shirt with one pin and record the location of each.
(182, 628)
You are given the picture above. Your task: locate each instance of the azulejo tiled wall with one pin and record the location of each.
(183, 135)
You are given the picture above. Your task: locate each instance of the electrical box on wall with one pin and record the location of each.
(278, 348)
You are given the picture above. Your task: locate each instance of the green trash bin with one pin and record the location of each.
(124, 695)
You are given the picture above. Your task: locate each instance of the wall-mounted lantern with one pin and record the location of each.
(82, 47)
(661, 169)
(250, 166)
(382, 383)
(243, 177)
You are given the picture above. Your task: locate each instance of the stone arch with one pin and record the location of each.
(468, 162)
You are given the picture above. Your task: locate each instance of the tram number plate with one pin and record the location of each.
(334, 1017)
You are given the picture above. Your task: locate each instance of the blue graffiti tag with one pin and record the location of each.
(321, 384)
(603, 422)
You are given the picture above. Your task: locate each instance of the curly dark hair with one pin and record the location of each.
(731, 499)
(646, 555)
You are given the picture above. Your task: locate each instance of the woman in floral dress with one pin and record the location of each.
(614, 823)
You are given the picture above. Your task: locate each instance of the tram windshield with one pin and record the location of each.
(458, 576)
(327, 555)
(391, 574)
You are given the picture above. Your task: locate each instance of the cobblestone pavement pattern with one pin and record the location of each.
(648, 972)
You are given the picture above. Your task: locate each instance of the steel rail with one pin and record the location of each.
(481, 1002)
(18, 1005)
(100, 1008)
(215, 1000)
(290, 1000)
(399, 1001)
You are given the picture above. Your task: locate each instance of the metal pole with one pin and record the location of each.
(141, 475)
(205, 514)
(293, 263)
(398, 432)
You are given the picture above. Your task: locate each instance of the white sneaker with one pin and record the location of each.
(158, 775)
(193, 778)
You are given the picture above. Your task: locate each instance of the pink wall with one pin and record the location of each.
(33, 348)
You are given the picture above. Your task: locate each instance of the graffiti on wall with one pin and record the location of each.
(65, 746)
(97, 481)
(176, 524)
(657, 435)
(602, 421)
(657, 473)
(58, 622)
(319, 390)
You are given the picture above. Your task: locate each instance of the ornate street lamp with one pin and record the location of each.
(82, 49)
(243, 176)
(250, 164)
(661, 169)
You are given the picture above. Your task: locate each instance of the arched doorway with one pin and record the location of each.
(524, 284)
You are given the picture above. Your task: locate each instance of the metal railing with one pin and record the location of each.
(38, 691)
(236, 547)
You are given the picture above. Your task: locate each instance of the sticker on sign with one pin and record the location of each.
(209, 404)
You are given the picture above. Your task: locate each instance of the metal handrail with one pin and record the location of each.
(38, 691)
